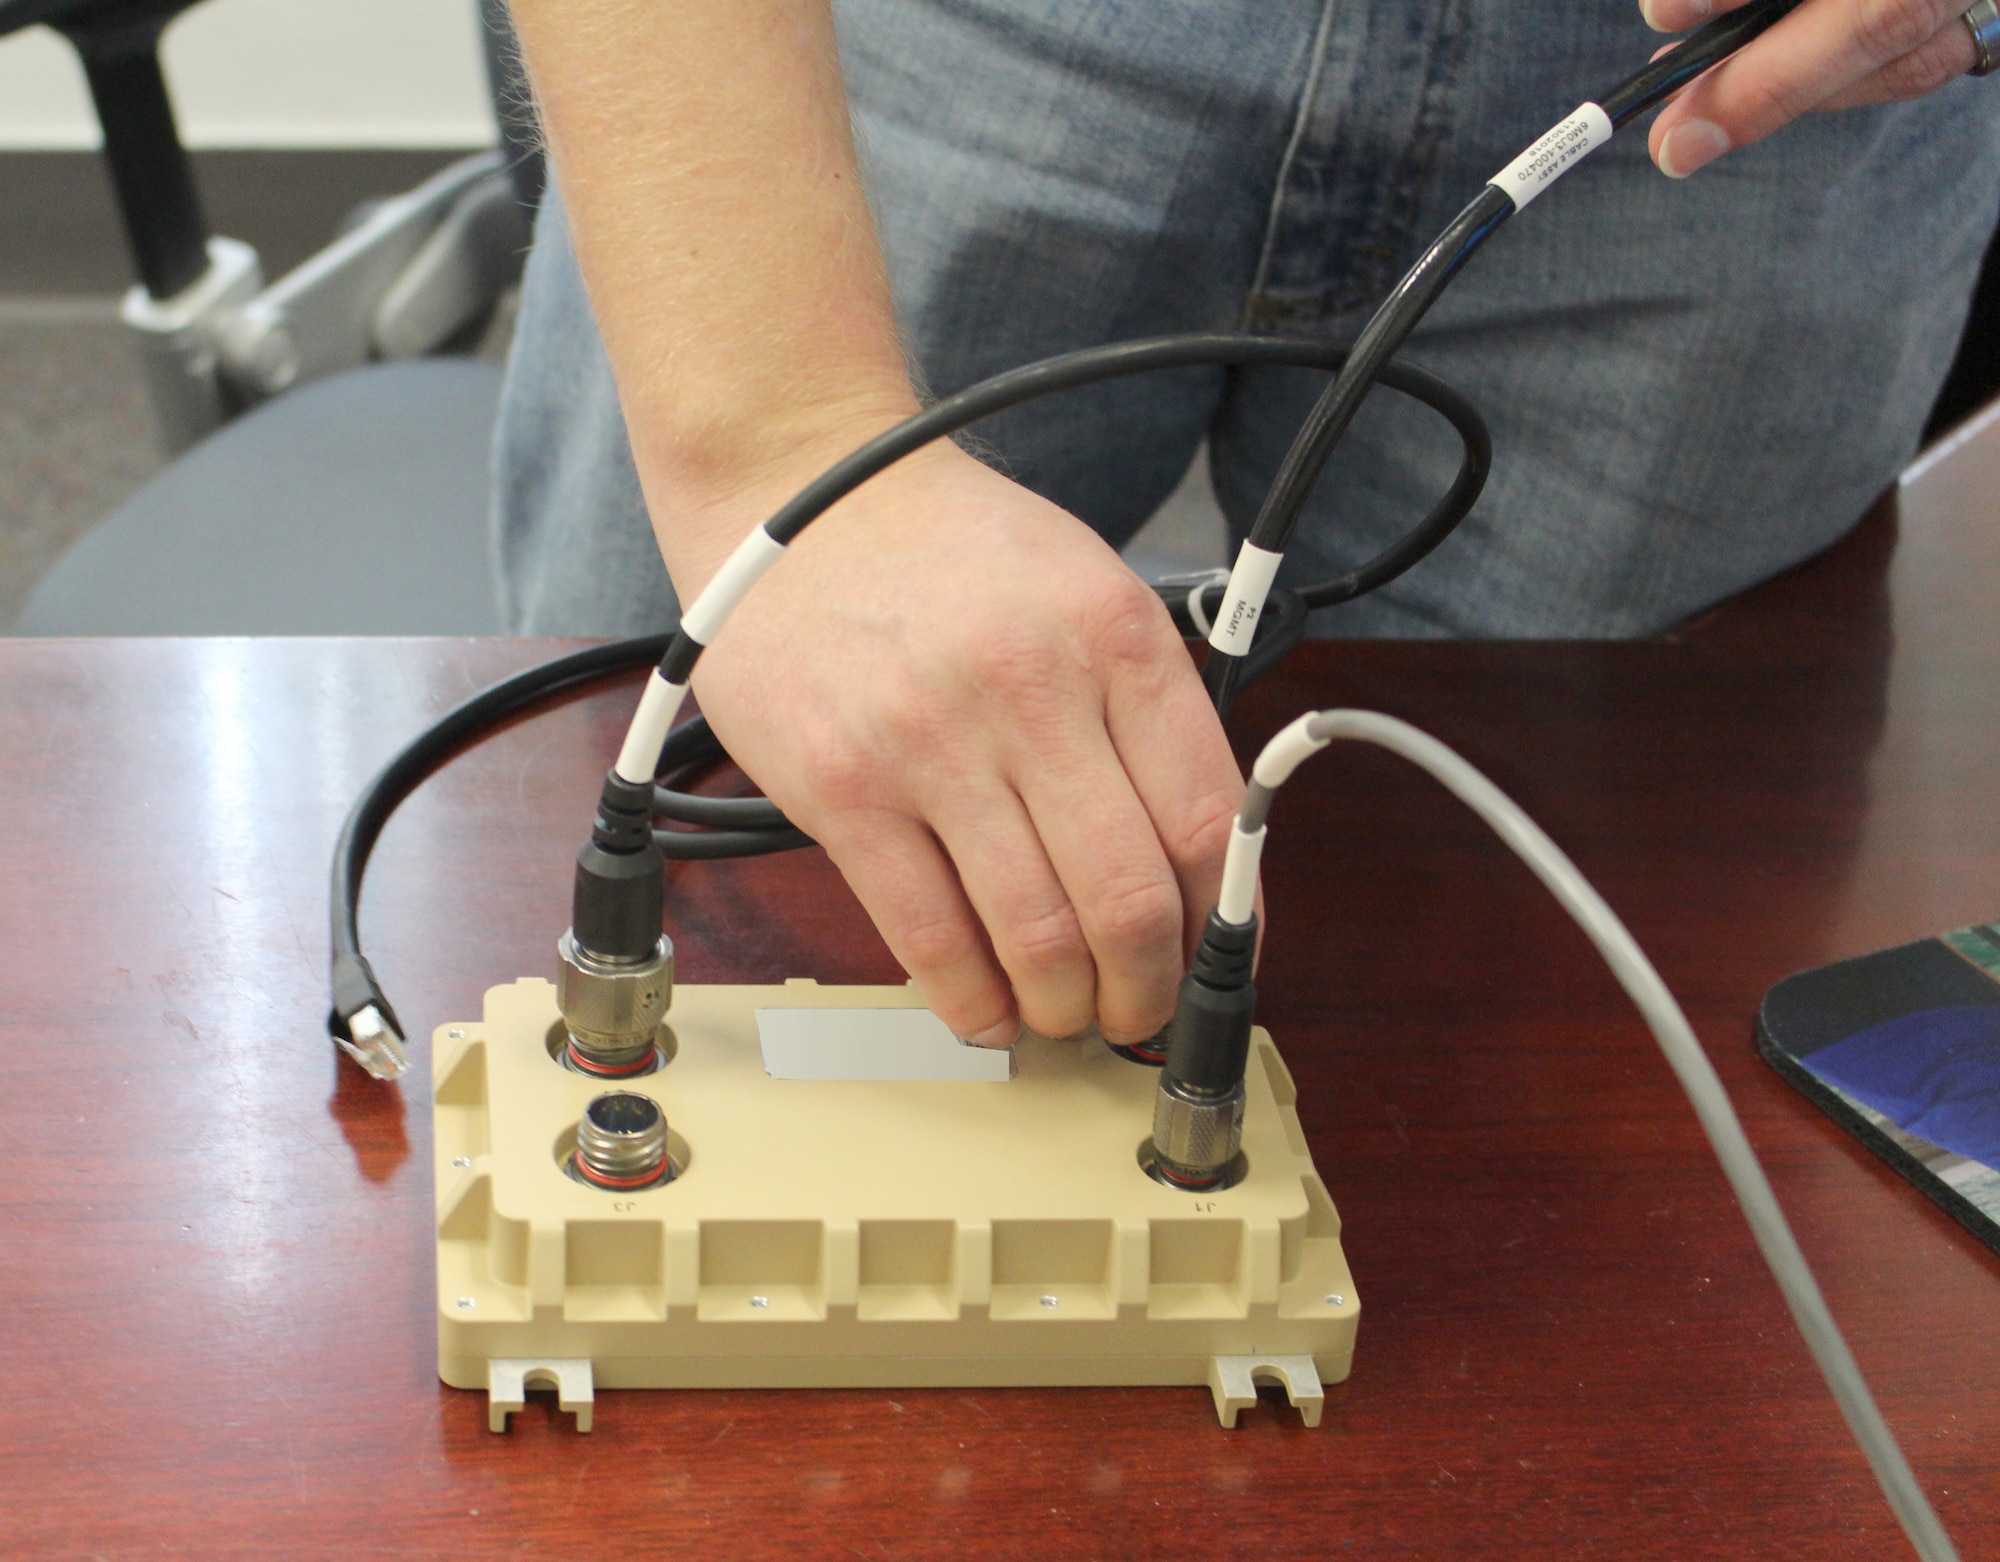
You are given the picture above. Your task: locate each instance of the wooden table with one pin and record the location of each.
(215, 1243)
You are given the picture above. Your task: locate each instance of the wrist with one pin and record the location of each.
(706, 489)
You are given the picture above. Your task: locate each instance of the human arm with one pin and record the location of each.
(954, 686)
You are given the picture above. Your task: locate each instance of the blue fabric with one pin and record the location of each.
(1691, 385)
(1935, 1074)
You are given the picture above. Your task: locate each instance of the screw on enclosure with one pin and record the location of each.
(466, 1303)
(461, 1161)
(1334, 1299)
(454, 1034)
(1052, 1301)
(760, 1301)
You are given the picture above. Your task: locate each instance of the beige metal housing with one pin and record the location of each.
(845, 1233)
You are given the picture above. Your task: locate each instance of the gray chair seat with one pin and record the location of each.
(355, 505)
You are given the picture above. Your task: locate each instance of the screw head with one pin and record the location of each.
(461, 1161)
(455, 1034)
(760, 1301)
(466, 1304)
(1334, 1299)
(1052, 1301)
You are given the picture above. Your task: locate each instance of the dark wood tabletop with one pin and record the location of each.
(216, 1289)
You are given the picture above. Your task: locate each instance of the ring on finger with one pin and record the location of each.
(1982, 20)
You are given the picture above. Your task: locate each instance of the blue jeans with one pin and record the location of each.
(1691, 385)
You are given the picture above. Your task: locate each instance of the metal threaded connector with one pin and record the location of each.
(1198, 1109)
(1196, 1135)
(613, 1008)
(621, 1142)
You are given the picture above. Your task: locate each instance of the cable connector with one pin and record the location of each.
(370, 1038)
(617, 899)
(615, 968)
(361, 1022)
(1198, 1111)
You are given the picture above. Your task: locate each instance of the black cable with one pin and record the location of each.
(1369, 362)
(731, 826)
(354, 985)
(1281, 628)
(716, 813)
(755, 825)
(717, 845)
(1412, 297)
(1091, 366)
(1699, 52)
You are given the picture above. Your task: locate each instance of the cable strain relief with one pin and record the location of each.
(1227, 953)
(618, 901)
(1208, 1042)
(624, 821)
(354, 988)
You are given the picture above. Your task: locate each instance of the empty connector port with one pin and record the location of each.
(621, 1143)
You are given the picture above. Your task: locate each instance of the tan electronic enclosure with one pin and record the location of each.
(865, 1233)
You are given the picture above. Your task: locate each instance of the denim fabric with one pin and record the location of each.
(1692, 385)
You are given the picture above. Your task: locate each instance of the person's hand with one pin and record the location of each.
(995, 731)
(1828, 54)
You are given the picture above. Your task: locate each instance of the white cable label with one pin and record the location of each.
(1554, 155)
(1287, 751)
(639, 755)
(1243, 603)
(1238, 900)
(754, 554)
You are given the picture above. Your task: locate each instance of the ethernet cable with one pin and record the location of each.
(1311, 733)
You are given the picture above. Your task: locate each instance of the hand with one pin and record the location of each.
(1828, 54)
(994, 730)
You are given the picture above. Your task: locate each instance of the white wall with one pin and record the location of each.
(278, 73)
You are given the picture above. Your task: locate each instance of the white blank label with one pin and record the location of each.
(872, 1044)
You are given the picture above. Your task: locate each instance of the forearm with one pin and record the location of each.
(713, 196)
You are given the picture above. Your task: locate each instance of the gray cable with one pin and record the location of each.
(1705, 1094)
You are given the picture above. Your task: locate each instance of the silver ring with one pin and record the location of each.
(1982, 20)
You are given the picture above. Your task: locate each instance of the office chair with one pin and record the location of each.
(331, 477)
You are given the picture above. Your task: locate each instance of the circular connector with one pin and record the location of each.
(562, 1050)
(1230, 1175)
(612, 1009)
(1196, 1135)
(621, 1143)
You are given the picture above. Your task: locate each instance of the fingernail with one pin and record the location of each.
(1692, 144)
(1005, 1034)
(1675, 16)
